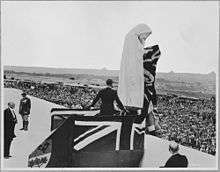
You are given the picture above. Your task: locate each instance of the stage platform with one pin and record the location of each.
(156, 152)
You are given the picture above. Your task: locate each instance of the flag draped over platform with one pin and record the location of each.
(83, 141)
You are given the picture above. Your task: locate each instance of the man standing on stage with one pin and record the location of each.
(108, 96)
(10, 120)
(24, 110)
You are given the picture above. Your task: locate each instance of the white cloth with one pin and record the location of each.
(131, 76)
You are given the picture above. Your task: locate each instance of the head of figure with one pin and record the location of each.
(173, 147)
(109, 82)
(11, 105)
(141, 32)
(23, 94)
(143, 37)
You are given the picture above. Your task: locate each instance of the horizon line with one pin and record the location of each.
(103, 68)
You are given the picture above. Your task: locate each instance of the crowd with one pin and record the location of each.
(189, 122)
(65, 95)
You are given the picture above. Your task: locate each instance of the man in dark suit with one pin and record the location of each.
(24, 110)
(10, 120)
(108, 96)
(176, 160)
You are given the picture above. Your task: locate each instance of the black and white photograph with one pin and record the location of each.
(129, 85)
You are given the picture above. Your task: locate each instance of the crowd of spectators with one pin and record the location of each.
(190, 122)
(77, 97)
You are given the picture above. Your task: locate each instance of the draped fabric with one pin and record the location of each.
(131, 76)
(150, 58)
(81, 139)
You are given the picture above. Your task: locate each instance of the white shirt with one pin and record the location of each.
(12, 112)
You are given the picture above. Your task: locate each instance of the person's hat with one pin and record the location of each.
(109, 81)
(23, 94)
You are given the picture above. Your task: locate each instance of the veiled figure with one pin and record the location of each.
(137, 72)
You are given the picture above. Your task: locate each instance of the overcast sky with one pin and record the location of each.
(91, 34)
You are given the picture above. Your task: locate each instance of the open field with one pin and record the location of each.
(186, 84)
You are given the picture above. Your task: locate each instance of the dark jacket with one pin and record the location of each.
(107, 96)
(177, 160)
(9, 124)
(25, 106)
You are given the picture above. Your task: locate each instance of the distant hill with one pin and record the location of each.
(171, 76)
(51, 70)
(188, 77)
(187, 84)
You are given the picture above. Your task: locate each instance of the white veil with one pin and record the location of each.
(131, 76)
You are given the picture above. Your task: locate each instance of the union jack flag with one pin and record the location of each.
(108, 134)
(81, 133)
(90, 132)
